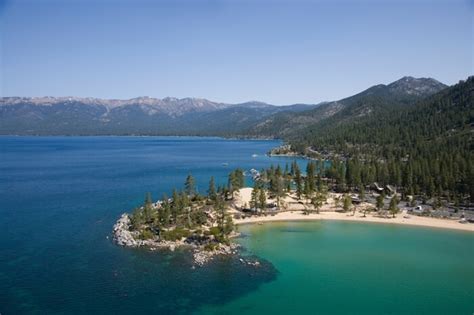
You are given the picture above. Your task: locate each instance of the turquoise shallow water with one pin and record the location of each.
(358, 268)
(59, 197)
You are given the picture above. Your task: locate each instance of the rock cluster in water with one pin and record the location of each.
(203, 256)
(122, 234)
(125, 237)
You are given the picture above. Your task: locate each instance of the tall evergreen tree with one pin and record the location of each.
(254, 199)
(379, 201)
(310, 171)
(147, 207)
(165, 211)
(347, 203)
(176, 207)
(236, 181)
(298, 181)
(393, 207)
(262, 198)
(190, 185)
(211, 192)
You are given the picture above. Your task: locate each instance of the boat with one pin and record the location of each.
(254, 172)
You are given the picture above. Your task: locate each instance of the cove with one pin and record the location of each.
(362, 268)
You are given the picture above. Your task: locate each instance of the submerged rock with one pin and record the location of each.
(202, 256)
(254, 263)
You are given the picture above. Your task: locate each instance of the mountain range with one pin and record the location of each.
(137, 116)
(196, 116)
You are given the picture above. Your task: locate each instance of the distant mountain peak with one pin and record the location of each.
(416, 86)
(407, 78)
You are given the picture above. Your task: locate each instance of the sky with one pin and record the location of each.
(280, 52)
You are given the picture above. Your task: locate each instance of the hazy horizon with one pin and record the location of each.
(277, 52)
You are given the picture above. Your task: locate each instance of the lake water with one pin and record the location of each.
(60, 196)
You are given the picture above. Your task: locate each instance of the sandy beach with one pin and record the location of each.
(328, 212)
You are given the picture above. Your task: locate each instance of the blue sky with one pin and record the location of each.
(279, 52)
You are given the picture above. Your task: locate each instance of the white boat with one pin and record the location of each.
(254, 173)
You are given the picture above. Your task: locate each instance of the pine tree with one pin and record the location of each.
(279, 191)
(211, 192)
(287, 183)
(292, 169)
(224, 221)
(298, 181)
(317, 201)
(254, 199)
(236, 181)
(394, 206)
(347, 203)
(379, 201)
(136, 218)
(190, 185)
(310, 169)
(165, 211)
(262, 198)
(361, 193)
(147, 207)
(175, 206)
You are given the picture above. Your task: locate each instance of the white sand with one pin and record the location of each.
(327, 212)
(243, 197)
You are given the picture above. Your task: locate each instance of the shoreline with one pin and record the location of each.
(294, 212)
(293, 216)
(141, 136)
(207, 246)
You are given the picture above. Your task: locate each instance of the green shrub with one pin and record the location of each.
(136, 219)
(174, 235)
(146, 235)
(210, 247)
(199, 217)
(215, 231)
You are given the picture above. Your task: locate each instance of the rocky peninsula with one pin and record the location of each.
(188, 220)
(204, 247)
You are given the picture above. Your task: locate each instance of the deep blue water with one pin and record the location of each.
(60, 196)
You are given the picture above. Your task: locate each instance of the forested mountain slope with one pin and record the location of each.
(427, 148)
(379, 98)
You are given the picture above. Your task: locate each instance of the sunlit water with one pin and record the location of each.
(60, 196)
(363, 268)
